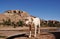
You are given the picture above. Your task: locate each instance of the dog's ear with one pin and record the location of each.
(32, 19)
(26, 19)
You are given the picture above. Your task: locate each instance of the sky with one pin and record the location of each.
(44, 9)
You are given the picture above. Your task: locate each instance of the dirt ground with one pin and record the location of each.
(5, 31)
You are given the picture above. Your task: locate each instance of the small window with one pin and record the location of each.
(18, 11)
(8, 12)
(14, 11)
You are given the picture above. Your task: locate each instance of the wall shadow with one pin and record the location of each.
(56, 34)
(15, 36)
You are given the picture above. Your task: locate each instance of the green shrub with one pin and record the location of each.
(7, 22)
(20, 23)
(13, 24)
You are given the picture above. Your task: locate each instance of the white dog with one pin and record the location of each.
(35, 21)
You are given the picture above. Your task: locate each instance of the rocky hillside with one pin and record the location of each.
(13, 15)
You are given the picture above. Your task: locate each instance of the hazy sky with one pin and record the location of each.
(44, 9)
